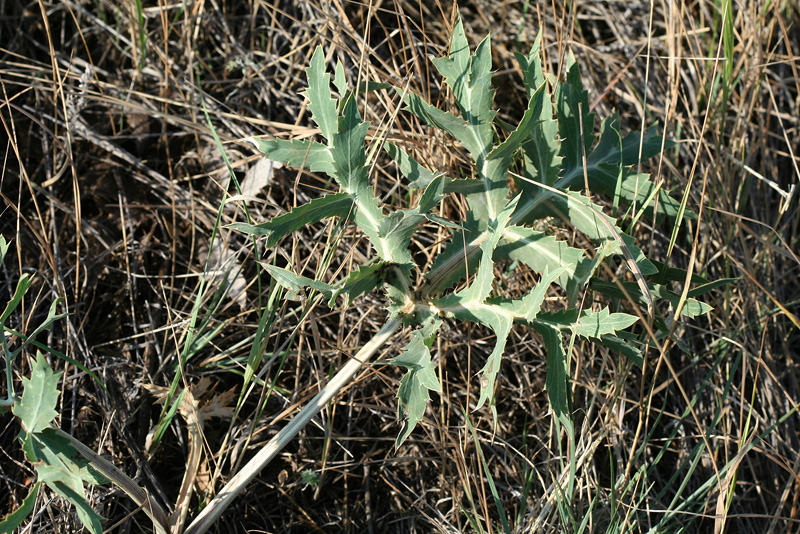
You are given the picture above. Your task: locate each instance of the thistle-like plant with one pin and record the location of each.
(557, 165)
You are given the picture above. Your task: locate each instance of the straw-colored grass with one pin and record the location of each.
(113, 184)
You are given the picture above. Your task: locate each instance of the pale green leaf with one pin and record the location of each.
(455, 126)
(349, 160)
(36, 409)
(413, 394)
(625, 347)
(572, 105)
(590, 220)
(397, 228)
(598, 324)
(23, 284)
(71, 489)
(531, 66)
(454, 263)
(362, 281)
(334, 205)
(589, 324)
(557, 373)
(297, 153)
(414, 172)
(13, 520)
(348, 148)
(540, 251)
(323, 107)
(500, 323)
(294, 284)
(340, 79)
(527, 126)
(3, 248)
(54, 459)
(527, 308)
(469, 304)
(470, 77)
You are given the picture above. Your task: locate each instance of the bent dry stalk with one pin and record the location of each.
(234, 487)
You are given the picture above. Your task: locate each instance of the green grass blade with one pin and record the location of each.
(498, 502)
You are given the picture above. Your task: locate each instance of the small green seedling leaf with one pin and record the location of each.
(3, 248)
(37, 408)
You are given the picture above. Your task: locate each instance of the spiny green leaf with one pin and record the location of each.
(413, 394)
(334, 205)
(589, 324)
(470, 78)
(592, 222)
(443, 120)
(349, 161)
(347, 148)
(598, 324)
(468, 304)
(294, 284)
(361, 281)
(541, 151)
(15, 518)
(691, 309)
(36, 409)
(540, 251)
(527, 126)
(323, 107)
(527, 308)
(397, 228)
(449, 266)
(557, 372)
(500, 323)
(297, 153)
(414, 172)
(531, 66)
(572, 103)
(23, 284)
(625, 347)
(54, 459)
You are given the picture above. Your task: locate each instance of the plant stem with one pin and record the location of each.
(125, 483)
(217, 506)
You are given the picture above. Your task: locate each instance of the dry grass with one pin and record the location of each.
(111, 185)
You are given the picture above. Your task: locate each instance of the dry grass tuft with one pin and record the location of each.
(111, 187)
